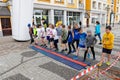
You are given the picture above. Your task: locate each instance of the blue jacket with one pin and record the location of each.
(97, 29)
(70, 37)
(76, 34)
(82, 39)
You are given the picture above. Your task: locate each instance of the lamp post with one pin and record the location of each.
(107, 8)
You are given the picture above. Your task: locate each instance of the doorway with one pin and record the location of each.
(6, 26)
(37, 19)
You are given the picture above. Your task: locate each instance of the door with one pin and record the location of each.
(37, 19)
(6, 26)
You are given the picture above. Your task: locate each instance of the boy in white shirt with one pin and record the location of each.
(48, 31)
(51, 36)
(56, 37)
(41, 35)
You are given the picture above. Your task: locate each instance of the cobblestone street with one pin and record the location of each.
(19, 62)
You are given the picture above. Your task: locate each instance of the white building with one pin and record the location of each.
(98, 11)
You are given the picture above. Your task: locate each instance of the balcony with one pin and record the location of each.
(81, 6)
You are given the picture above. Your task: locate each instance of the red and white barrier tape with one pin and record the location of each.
(93, 67)
(102, 72)
(84, 72)
(111, 64)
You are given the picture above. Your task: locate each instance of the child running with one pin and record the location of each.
(43, 37)
(108, 44)
(90, 43)
(55, 36)
(75, 36)
(51, 36)
(64, 39)
(82, 40)
(70, 39)
(48, 31)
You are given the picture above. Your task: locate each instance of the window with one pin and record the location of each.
(80, 1)
(58, 16)
(70, 1)
(99, 5)
(94, 5)
(104, 6)
(112, 1)
(117, 9)
(59, 0)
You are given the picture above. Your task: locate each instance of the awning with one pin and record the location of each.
(4, 11)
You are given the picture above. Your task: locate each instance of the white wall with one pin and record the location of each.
(21, 16)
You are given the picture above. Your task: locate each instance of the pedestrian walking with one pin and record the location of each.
(108, 44)
(90, 43)
(98, 31)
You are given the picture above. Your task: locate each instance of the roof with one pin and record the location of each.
(4, 11)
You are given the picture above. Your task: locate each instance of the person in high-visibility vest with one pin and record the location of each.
(34, 31)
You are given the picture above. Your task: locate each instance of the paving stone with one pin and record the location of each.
(59, 70)
(17, 77)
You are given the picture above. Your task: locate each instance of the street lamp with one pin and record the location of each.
(107, 8)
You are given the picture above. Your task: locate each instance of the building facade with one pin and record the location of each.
(67, 11)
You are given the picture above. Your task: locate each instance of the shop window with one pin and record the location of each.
(58, 16)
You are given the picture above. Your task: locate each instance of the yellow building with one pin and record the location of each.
(104, 11)
(113, 11)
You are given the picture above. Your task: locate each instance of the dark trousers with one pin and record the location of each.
(99, 36)
(32, 40)
(56, 43)
(69, 45)
(93, 52)
(77, 43)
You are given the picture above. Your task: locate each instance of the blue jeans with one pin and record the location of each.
(99, 36)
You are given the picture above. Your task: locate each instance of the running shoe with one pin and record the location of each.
(108, 63)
